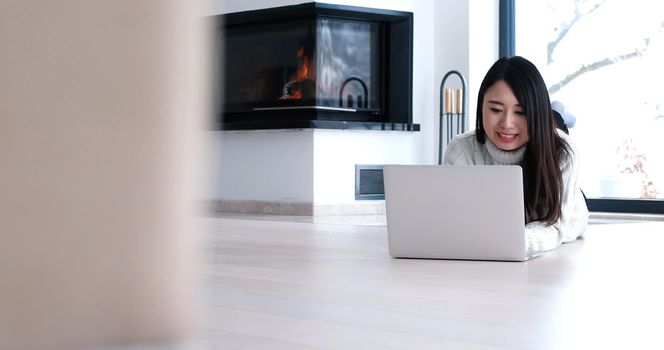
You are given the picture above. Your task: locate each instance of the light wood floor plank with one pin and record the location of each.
(335, 286)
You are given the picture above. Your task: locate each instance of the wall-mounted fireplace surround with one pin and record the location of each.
(315, 65)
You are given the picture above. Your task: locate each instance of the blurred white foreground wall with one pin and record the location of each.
(101, 104)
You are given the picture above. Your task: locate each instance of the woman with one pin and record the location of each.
(515, 125)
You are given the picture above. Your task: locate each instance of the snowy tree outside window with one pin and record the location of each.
(604, 60)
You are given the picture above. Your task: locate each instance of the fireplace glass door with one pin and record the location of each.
(318, 63)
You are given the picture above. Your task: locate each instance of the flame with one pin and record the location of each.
(301, 74)
(303, 71)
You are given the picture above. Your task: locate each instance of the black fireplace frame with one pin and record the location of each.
(397, 76)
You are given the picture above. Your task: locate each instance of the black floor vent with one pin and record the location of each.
(369, 182)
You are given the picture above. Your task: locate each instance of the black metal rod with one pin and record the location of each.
(450, 123)
(440, 137)
(458, 126)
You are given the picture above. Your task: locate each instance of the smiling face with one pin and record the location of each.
(502, 117)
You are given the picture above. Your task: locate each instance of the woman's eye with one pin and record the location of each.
(495, 110)
(519, 113)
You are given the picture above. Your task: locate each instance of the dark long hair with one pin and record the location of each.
(542, 177)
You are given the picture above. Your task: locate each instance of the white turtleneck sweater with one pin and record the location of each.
(465, 150)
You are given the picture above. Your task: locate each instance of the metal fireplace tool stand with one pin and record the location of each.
(453, 114)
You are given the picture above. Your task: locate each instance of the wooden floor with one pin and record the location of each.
(303, 285)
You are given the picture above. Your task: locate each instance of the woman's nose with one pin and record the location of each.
(507, 121)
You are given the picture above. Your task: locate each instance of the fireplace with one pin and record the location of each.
(315, 65)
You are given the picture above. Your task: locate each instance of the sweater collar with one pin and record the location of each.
(505, 157)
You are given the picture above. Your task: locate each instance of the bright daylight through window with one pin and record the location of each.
(604, 60)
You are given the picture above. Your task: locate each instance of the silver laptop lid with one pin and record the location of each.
(455, 212)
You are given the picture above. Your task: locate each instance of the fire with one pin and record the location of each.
(302, 72)
(293, 90)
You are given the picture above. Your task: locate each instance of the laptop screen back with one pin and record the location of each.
(455, 212)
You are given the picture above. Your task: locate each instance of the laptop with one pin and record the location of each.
(472, 212)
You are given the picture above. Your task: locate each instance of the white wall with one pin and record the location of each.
(337, 151)
(441, 43)
(483, 46)
(101, 107)
(266, 165)
(466, 39)
(450, 37)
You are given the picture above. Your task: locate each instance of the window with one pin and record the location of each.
(604, 60)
